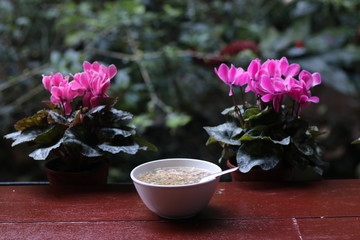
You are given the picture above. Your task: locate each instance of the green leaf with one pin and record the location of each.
(110, 133)
(231, 110)
(142, 121)
(75, 37)
(121, 115)
(130, 149)
(175, 120)
(225, 133)
(94, 111)
(172, 11)
(254, 113)
(251, 113)
(314, 131)
(58, 118)
(356, 141)
(70, 139)
(52, 134)
(255, 116)
(43, 153)
(305, 148)
(12, 135)
(258, 153)
(247, 137)
(27, 135)
(86, 150)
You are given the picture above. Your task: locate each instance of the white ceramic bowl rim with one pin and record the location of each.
(132, 174)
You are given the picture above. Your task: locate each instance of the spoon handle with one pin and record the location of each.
(214, 175)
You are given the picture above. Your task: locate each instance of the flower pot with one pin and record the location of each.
(95, 176)
(277, 174)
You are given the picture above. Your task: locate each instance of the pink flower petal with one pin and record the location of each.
(267, 97)
(314, 99)
(232, 74)
(279, 86)
(87, 66)
(95, 66)
(254, 68)
(293, 70)
(112, 71)
(316, 78)
(306, 77)
(241, 79)
(283, 65)
(289, 83)
(267, 84)
(222, 72)
(46, 80)
(271, 68)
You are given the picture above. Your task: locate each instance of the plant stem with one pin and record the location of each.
(298, 111)
(242, 96)
(238, 112)
(261, 104)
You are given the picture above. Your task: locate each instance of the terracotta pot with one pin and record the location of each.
(277, 174)
(95, 176)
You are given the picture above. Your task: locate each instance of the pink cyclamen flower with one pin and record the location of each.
(302, 95)
(241, 77)
(54, 80)
(93, 83)
(99, 89)
(96, 68)
(226, 75)
(309, 79)
(270, 68)
(82, 85)
(231, 76)
(272, 80)
(254, 74)
(288, 70)
(301, 92)
(273, 90)
(63, 95)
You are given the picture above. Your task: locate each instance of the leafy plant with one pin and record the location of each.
(269, 134)
(80, 132)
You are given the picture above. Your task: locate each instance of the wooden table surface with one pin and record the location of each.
(328, 209)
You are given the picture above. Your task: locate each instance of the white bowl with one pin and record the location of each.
(175, 201)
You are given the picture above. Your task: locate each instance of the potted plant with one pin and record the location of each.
(80, 128)
(265, 132)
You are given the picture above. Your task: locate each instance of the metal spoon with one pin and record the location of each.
(214, 175)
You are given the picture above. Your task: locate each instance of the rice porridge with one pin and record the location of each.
(173, 176)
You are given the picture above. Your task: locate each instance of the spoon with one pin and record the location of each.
(214, 175)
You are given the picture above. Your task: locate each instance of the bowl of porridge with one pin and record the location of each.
(170, 187)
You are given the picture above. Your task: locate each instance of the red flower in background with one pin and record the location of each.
(231, 49)
(299, 44)
(238, 46)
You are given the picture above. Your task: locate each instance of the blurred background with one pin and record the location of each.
(165, 52)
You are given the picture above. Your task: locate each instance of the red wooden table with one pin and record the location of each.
(328, 209)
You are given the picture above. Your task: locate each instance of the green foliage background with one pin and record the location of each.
(165, 51)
